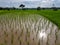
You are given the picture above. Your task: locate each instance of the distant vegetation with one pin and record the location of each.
(22, 7)
(38, 8)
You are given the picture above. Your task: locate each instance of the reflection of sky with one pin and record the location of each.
(29, 3)
(42, 34)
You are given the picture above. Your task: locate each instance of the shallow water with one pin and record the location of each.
(28, 30)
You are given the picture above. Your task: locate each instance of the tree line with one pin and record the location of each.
(22, 8)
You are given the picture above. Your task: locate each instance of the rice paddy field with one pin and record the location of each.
(29, 27)
(54, 16)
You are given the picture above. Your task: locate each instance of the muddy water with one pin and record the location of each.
(28, 30)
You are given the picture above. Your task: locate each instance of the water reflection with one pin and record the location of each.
(42, 34)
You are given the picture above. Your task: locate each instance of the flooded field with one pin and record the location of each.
(28, 30)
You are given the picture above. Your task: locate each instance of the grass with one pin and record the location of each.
(53, 16)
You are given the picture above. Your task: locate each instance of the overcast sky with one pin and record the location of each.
(29, 3)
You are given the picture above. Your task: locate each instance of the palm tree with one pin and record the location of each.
(22, 6)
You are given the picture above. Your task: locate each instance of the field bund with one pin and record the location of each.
(28, 30)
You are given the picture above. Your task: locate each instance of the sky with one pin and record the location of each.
(29, 3)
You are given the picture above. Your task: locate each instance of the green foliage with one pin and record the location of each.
(53, 16)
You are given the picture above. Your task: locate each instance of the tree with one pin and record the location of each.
(38, 8)
(22, 6)
(54, 8)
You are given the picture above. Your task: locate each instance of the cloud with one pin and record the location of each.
(46, 3)
(17, 0)
(29, 3)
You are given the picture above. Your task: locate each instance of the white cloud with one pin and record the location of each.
(46, 3)
(17, 0)
(29, 3)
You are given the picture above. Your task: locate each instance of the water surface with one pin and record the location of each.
(28, 30)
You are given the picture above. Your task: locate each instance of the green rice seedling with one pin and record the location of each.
(31, 29)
